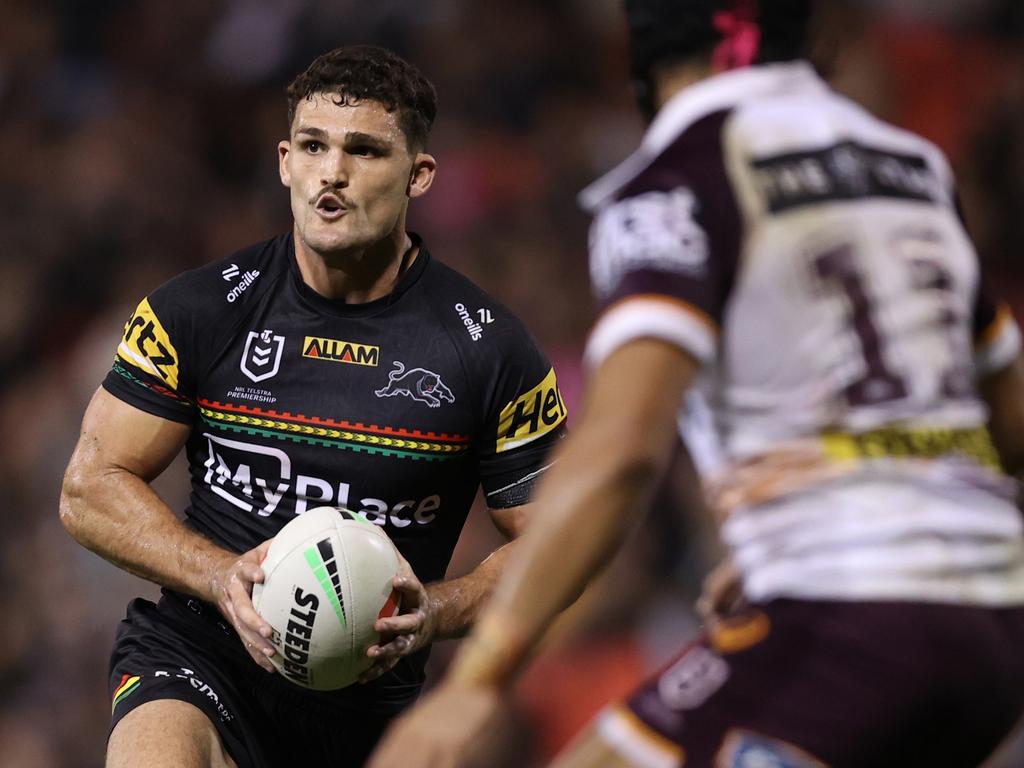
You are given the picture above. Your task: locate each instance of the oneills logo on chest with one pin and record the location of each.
(338, 351)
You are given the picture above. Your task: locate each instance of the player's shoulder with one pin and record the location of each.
(660, 165)
(516, 385)
(475, 320)
(177, 326)
(197, 311)
(903, 142)
(686, 129)
(822, 127)
(699, 126)
(662, 208)
(221, 285)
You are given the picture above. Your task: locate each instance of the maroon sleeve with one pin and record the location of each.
(675, 230)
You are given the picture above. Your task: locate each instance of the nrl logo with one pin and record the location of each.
(417, 383)
(262, 355)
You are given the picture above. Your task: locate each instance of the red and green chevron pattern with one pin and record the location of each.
(334, 433)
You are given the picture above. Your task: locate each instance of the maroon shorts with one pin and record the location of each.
(796, 684)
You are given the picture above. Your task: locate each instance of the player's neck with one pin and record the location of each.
(672, 78)
(357, 276)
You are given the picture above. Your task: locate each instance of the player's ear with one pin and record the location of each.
(424, 167)
(283, 149)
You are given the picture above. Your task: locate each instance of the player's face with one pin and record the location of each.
(351, 173)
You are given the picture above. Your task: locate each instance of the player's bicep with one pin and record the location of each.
(117, 436)
(634, 397)
(525, 419)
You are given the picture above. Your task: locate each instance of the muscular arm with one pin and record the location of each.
(1003, 392)
(606, 472)
(458, 601)
(605, 475)
(444, 609)
(108, 506)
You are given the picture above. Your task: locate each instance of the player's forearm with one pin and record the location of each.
(459, 601)
(604, 477)
(120, 517)
(586, 507)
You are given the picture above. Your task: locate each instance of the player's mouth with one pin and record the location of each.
(330, 207)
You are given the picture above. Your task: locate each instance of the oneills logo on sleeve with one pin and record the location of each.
(533, 414)
(147, 346)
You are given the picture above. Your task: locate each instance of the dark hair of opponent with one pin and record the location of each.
(365, 72)
(728, 32)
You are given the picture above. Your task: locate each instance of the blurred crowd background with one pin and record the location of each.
(137, 140)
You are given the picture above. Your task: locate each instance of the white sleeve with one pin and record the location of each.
(650, 316)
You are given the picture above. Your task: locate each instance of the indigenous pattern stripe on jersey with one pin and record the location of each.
(400, 408)
(811, 257)
(331, 433)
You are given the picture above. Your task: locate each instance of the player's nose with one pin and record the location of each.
(335, 171)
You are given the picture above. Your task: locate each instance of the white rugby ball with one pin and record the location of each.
(327, 579)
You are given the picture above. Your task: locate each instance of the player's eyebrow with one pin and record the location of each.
(316, 133)
(352, 137)
(358, 137)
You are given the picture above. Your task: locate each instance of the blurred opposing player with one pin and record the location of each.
(809, 260)
(337, 364)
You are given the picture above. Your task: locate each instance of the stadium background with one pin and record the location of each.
(137, 140)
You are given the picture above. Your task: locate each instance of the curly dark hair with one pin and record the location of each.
(368, 72)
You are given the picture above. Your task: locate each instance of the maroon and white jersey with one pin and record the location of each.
(812, 258)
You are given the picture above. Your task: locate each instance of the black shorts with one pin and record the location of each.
(801, 684)
(183, 650)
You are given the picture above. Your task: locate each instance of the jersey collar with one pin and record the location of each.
(339, 306)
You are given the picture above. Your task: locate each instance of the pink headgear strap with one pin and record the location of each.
(741, 36)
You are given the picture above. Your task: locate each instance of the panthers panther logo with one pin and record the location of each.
(417, 383)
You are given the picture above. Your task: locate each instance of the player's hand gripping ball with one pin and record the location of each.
(327, 580)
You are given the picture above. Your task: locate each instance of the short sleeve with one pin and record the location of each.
(148, 370)
(526, 415)
(663, 250)
(651, 272)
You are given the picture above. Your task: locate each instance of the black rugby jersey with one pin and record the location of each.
(399, 408)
